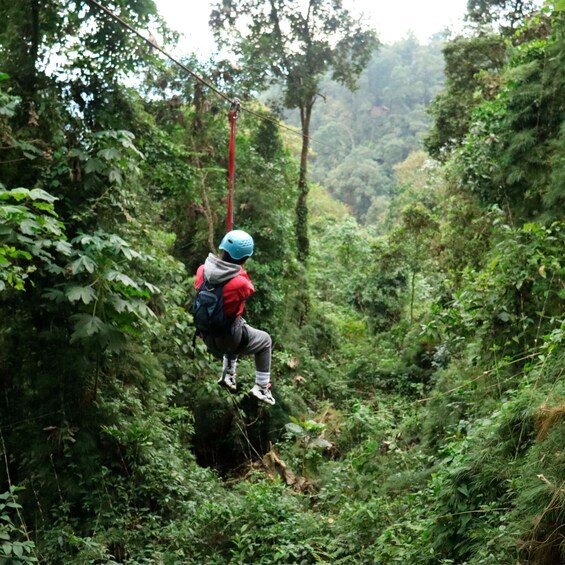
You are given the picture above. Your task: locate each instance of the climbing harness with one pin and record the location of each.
(232, 116)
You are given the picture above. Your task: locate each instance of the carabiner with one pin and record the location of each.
(235, 108)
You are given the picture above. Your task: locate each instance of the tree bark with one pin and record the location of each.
(412, 296)
(302, 239)
(29, 67)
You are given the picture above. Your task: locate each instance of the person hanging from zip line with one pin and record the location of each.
(223, 286)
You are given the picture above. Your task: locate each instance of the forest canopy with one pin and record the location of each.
(411, 277)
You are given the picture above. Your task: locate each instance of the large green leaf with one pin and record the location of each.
(39, 194)
(16, 193)
(29, 226)
(54, 294)
(129, 253)
(140, 308)
(83, 263)
(109, 154)
(13, 210)
(64, 247)
(113, 275)
(152, 288)
(295, 429)
(86, 326)
(84, 293)
(93, 166)
(320, 443)
(115, 176)
(119, 304)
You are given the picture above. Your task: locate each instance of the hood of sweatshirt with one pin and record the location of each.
(218, 271)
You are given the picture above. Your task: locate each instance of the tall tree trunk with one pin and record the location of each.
(198, 110)
(34, 47)
(412, 296)
(27, 73)
(302, 240)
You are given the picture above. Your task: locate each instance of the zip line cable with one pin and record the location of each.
(216, 91)
(153, 44)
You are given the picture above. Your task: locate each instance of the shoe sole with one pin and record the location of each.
(262, 399)
(225, 385)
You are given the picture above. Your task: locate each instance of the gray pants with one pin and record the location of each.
(245, 340)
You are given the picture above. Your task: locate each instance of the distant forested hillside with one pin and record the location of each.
(360, 136)
(418, 360)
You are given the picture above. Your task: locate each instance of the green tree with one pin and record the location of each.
(359, 180)
(97, 50)
(508, 14)
(472, 65)
(513, 152)
(376, 126)
(293, 44)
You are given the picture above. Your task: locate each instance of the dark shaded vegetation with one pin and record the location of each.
(420, 412)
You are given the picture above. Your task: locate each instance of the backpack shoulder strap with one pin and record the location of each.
(206, 280)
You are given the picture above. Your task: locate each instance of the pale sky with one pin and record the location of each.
(392, 19)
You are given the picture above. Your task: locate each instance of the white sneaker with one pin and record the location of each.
(263, 393)
(228, 380)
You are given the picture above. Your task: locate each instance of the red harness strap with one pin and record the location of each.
(233, 115)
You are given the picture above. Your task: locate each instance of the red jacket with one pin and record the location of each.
(238, 287)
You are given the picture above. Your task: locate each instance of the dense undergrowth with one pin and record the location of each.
(418, 372)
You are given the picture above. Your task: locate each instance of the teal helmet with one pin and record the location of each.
(238, 244)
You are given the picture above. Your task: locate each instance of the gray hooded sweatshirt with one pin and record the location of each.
(218, 271)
